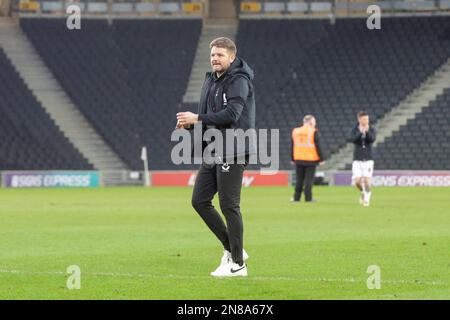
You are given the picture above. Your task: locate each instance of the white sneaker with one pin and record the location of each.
(232, 270)
(367, 197)
(226, 261)
(245, 256)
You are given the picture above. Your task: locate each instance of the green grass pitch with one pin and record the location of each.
(148, 243)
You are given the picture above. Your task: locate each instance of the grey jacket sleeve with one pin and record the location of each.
(354, 135)
(371, 135)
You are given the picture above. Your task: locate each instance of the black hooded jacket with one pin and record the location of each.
(363, 143)
(228, 102)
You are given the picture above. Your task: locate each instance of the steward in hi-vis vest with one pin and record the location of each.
(306, 155)
(304, 147)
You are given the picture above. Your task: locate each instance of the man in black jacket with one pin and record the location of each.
(227, 102)
(363, 136)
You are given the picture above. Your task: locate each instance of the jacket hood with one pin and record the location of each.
(239, 66)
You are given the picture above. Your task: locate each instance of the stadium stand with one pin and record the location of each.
(333, 71)
(423, 143)
(127, 78)
(30, 139)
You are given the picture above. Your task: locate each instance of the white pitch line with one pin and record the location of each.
(257, 278)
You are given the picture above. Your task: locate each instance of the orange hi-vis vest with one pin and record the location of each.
(304, 146)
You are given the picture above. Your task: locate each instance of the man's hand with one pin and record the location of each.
(363, 129)
(322, 163)
(179, 126)
(186, 119)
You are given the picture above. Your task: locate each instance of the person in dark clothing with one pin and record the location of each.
(227, 102)
(306, 155)
(362, 135)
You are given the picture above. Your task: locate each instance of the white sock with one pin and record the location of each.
(367, 196)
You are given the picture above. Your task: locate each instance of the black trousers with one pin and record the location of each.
(305, 179)
(226, 180)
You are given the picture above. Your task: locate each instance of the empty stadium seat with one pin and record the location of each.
(334, 71)
(423, 143)
(30, 139)
(127, 78)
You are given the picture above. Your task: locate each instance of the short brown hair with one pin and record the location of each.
(223, 42)
(362, 114)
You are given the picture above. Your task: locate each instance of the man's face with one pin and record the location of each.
(364, 121)
(221, 59)
(313, 122)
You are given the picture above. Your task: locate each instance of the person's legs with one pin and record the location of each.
(366, 181)
(367, 184)
(356, 171)
(229, 183)
(357, 178)
(309, 181)
(300, 174)
(204, 190)
(358, 183)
